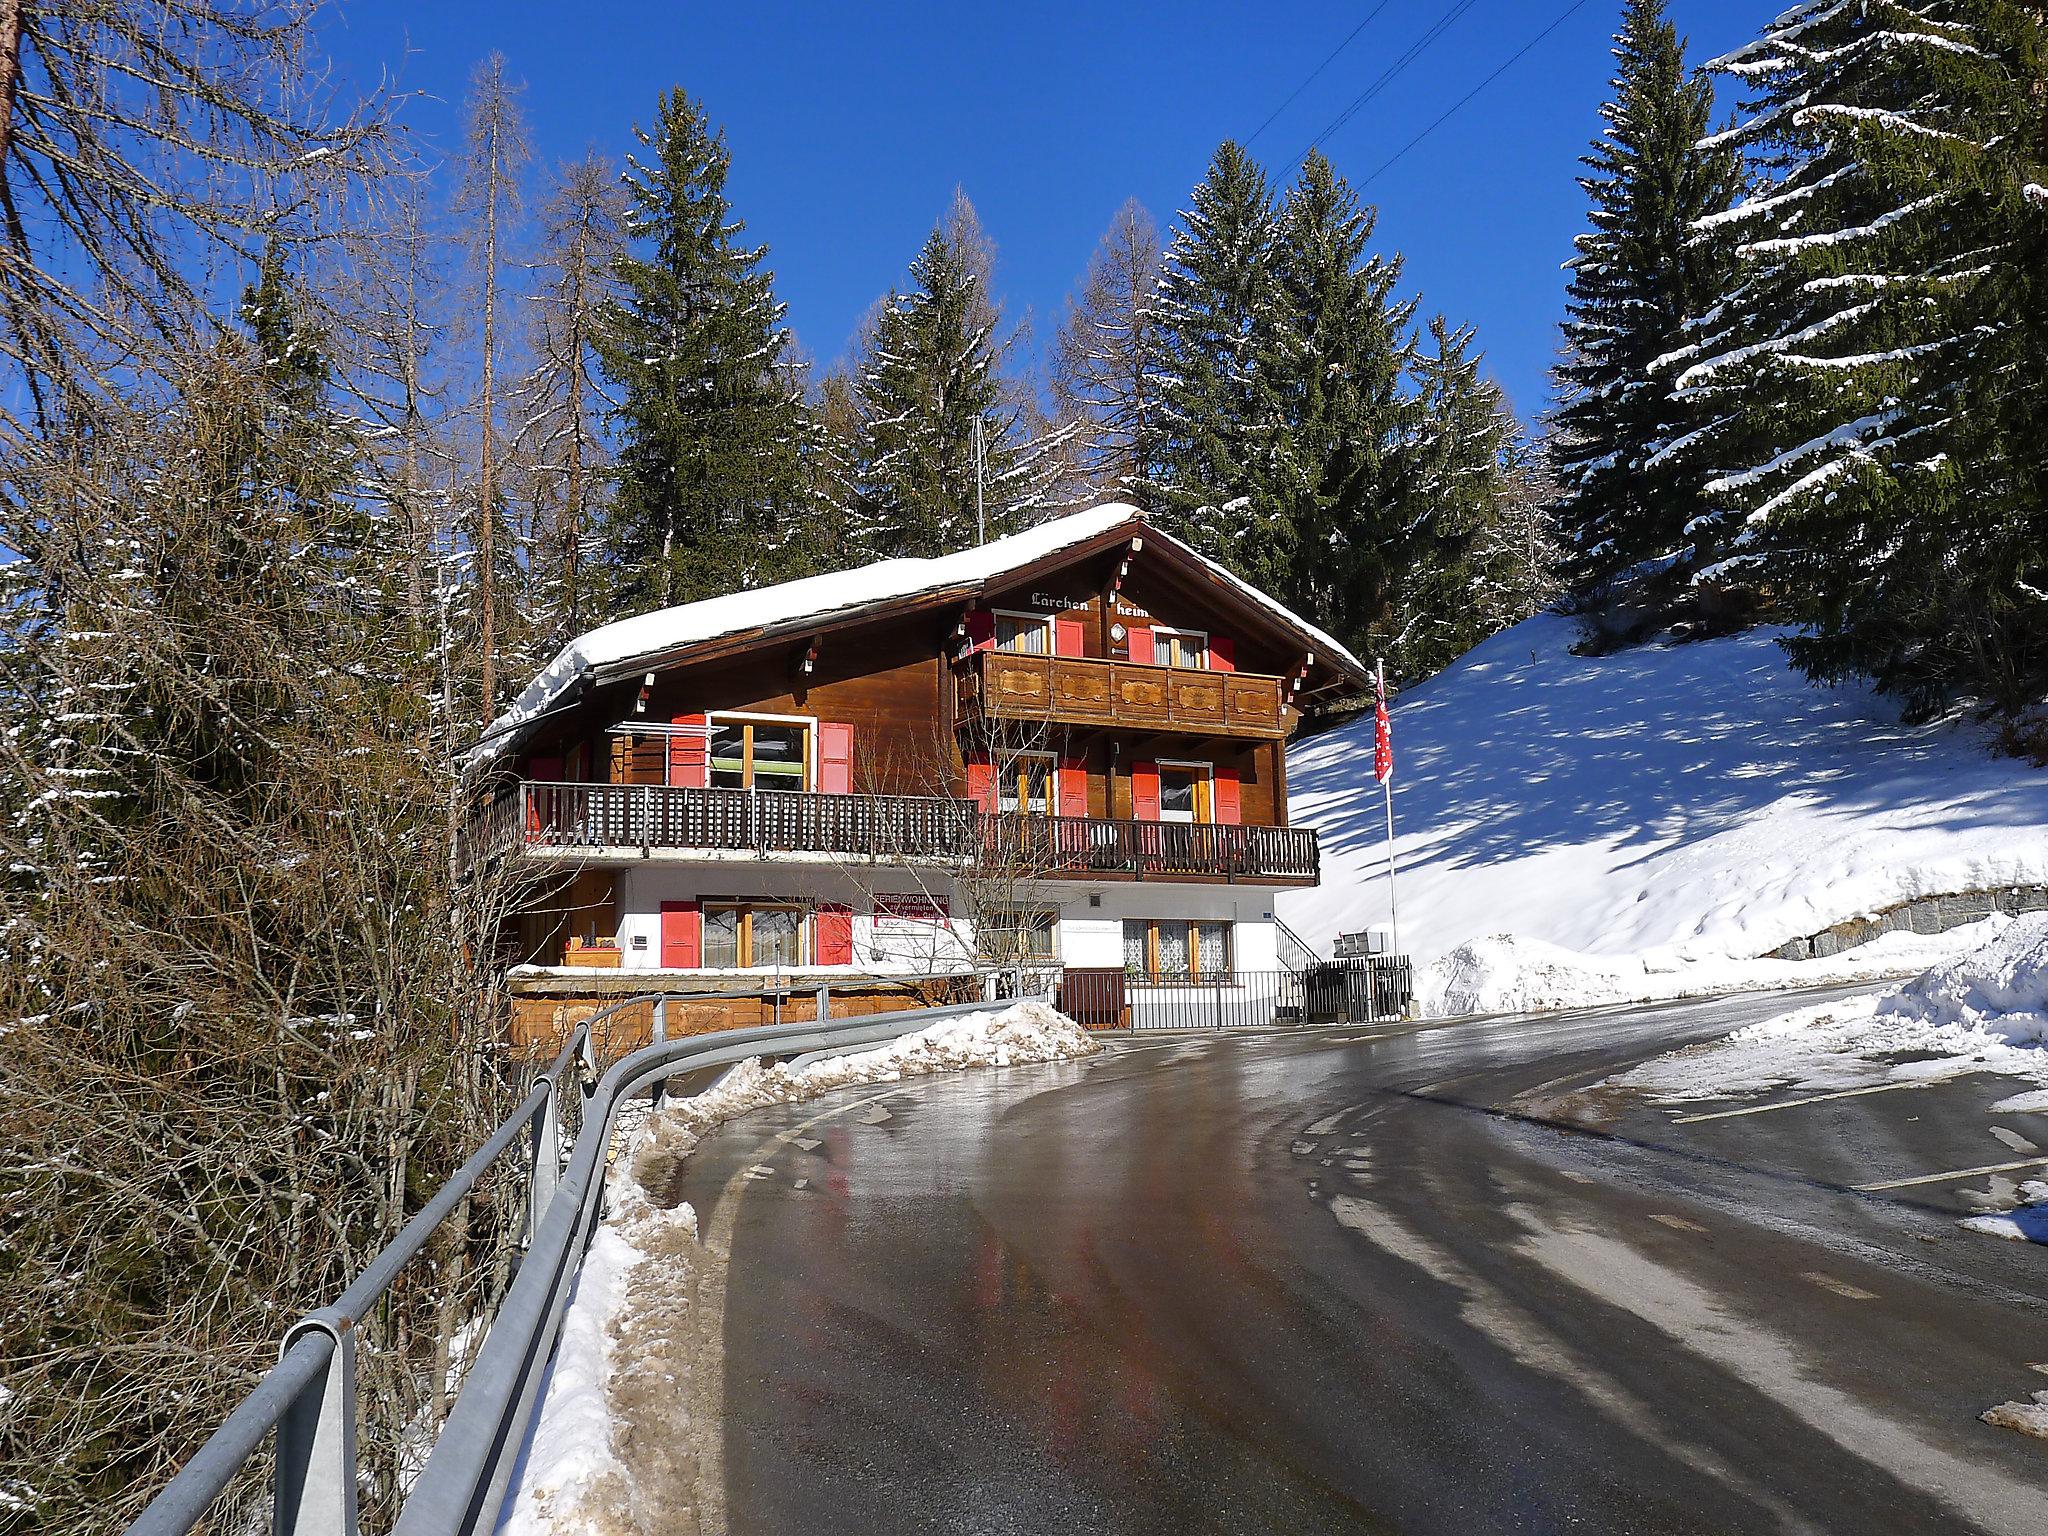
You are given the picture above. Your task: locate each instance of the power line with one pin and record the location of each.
(1414, 51)
(1310, 79)
(1507, 64)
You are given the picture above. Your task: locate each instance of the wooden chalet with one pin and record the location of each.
(1065, 749)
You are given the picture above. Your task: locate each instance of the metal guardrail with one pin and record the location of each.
(309, 1396)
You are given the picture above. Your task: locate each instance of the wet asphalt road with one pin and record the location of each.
(1398, 1281)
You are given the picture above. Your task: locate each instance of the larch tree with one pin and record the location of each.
(1868, 391)
(1636, 275)
(710, 489)
(562, 401)
(488, 201)
(1102, 349)
(231, 993)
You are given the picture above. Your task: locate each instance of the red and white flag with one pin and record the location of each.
(1382, 734)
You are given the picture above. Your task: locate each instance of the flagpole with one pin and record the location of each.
(1387, 789)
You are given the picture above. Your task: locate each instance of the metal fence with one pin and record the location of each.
(1324, 992)
(309, 1397)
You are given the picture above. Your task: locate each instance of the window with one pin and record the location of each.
(1027, 784)
(1169, 950)
(758, 754)
(1187, 648)
(1177, 794)
(1184, 792)
(1027, 634)
(753, 934)
(1018, 935)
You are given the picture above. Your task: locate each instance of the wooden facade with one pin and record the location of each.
(1113, 715)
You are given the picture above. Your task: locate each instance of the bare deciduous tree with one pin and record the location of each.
(488, 199)
(1103, 348)
(562, 400)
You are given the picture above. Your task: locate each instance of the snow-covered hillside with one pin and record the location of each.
(1679, 805)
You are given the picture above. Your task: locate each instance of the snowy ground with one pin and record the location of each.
(1637, 821)
(1985, 1011)
(638, 1344)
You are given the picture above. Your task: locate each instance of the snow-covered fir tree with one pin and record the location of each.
(1638, 273)
(931, 371)
(710, 488)
(1869, 389)
(1436, 600)
(1214, 450)
(1340, 358)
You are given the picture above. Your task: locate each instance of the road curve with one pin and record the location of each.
(1404, 1281)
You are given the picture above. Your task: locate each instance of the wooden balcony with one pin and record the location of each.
(1085, 847)
(618, 820)
(1069, 690)
(889, 829)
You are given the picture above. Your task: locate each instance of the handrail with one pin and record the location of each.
(308, 1397)
(895, 829)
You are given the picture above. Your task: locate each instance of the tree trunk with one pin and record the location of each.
(487, 516)
(13, 14)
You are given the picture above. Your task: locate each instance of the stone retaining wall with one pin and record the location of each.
(1929, 914)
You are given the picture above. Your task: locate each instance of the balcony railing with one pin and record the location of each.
(888, 829)
(1075, 847)
(1072, 690)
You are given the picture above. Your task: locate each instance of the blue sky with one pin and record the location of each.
(850, 125)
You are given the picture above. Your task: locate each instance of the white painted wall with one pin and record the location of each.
(1090, 932)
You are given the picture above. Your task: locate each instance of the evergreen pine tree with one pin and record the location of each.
(1870, 388)
(1639, 272)
(1340, 362)
(931, 372)
(1437, 602)
(1215, 453)
(710, 430)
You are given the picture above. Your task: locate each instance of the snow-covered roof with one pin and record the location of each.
(628, 645)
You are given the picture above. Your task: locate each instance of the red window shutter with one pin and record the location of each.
(540, 770)
(1145, 791)
(1225, 796)
(835, 933)
(1073, 790)
(981, 781)
(689, 753)
(1069, 637)
(1222, 654)
(981, 628)
(835, 758)
(682, 935)
(1141, 646)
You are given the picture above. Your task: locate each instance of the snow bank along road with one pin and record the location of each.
(1416, 1280)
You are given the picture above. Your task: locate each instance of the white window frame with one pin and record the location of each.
(755, 717)
(1180, 634)
(1204, 773)
(1042, 620)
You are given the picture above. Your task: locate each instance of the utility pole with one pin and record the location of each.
(980, 517)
